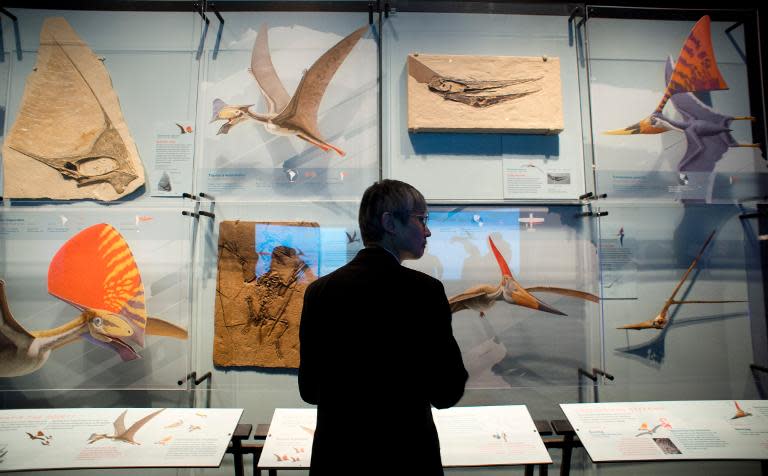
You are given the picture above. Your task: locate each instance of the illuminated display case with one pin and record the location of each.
(595, 232)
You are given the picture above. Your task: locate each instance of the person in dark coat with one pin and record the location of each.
(377, 347)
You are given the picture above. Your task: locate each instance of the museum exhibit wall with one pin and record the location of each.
(222, 273)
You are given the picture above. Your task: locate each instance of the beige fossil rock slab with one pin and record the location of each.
(69, 140)
(510, 94)
(256, 320)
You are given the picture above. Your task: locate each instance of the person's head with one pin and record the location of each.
(393, 215)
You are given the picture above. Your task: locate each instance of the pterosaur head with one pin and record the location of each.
(513, 292)
(653, 124)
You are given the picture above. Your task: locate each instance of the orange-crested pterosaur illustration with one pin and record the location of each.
(480, 298)
(44, 439)
(739, 412)
(661, 320)
(288, 115)
(707, 132)
(646, 430)
(95, 272)
(121, 433)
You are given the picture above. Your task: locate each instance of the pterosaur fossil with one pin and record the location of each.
(469, 91)
(70, 118)
(121, 433)
(288, 115)
(95, 272)
(660, 321)
(480, 298)
(707, 132)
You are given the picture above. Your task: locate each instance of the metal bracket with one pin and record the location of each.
(591, 196)
(219, 32)
(200, 46)
(575, 12)
(195, 382)
(592, 214)
(188, 195)
(190, 214)
(206, 214)
(592, 376)
(16, 34)
(207, 196)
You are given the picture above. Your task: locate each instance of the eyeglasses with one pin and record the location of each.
(423, 219)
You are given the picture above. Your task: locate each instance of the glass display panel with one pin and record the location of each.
(703, 348)
(227, 336)
(149, 63)
(552, 326)
(98, 300)
(336, 110)
(473, 166)
(703, 154)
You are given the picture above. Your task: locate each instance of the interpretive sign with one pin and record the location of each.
(638, 431)
(35, 439)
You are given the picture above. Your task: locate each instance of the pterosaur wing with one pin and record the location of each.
(564, 292)
(301, 112)
(264, 72)
(128, 435)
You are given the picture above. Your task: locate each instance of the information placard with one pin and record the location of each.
(640, 431)
(469, 436)
(36, 439)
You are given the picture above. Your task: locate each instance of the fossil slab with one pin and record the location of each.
(69, 140)
(258, 304)
(511, 94)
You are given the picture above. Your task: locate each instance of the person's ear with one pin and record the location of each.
(388, 222)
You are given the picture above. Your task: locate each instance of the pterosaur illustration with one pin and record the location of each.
(288, 115)
(660, 321)
(44, 439)
(644, 430)
(480, 298)
(95, 272)
(121, 433)
(739, 412)
(707, 132)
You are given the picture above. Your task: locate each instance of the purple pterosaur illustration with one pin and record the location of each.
(707, 132)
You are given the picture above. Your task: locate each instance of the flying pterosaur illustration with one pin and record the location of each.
(288, 115)
(645, 430)
(121, 433)
(480, 298)
(660, 321)
(707, 132)
(95, 272)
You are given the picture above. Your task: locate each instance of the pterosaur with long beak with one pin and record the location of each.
(480, 298)
(95, 272)
(661, 320)
(289, 115)
(123, 434)
(707, 132)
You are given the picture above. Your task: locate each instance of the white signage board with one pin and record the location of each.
(469, 436)
(489, 436)
(639, 431)
(64, 438)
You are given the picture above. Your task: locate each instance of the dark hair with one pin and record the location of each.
(394, 196)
